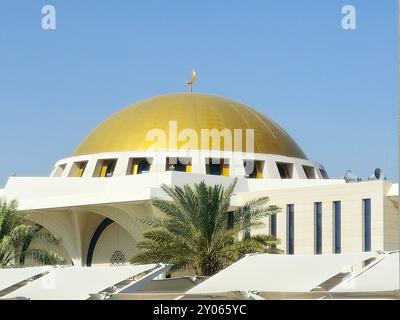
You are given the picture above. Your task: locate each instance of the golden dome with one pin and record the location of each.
(127, 129)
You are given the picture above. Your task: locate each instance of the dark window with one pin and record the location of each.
(214, 169)
(177, 164)
(230, 220)
(272, 224)
(180, 167)
(367, 224)
(318, 227)
(110, 168)
(254, 169)
(324, 174)
(285, 170)
(309, 171)
(290, 228)
(105, 168)
(144, 166)
(139, 166)
(337, 226)
(217, 167)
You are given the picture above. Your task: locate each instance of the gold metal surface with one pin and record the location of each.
(127, 129)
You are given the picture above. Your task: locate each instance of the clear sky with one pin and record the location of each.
(333, 90)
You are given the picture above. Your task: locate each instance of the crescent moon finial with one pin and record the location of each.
(192, 81)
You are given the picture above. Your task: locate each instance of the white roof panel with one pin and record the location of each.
(279, 273)
(77, 283)
(10, 277)
(382, 276)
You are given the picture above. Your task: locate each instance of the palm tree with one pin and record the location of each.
(194, 233)
(15, 236)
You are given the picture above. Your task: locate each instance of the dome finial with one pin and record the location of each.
(192, 81)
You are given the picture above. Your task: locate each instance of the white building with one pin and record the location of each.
(92, 199)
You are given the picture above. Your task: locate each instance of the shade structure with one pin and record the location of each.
(11, 277)
(382, 276)
(81, 283)
(279, 273)
(181, 284)
(148, 296)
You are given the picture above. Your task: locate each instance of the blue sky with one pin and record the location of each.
(333, 90)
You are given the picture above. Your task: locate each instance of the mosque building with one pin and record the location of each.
(92, 199)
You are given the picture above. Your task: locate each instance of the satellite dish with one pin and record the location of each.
(377, 175)
(350, 177)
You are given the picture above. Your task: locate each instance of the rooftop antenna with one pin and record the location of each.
(192, 81)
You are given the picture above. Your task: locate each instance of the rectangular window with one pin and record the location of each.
(309, 171)
(138, 166)
(337, 226)
(318, 227)
(367, 225)
(78, 169)
(272, 225)
(60, 170)
(254, 169)
(217, 167)
(225, 168)
(285, 170)
(324, 174)
(290, 229)
(108, 169)
(213, 169)
(178, 164)
(105, 168)
(230, 220)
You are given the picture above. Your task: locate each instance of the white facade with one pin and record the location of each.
(93, 208)
(197, 158)
(73, 208)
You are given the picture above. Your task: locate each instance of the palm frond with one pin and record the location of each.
(193, 232)
(16, 233)
(44, 256)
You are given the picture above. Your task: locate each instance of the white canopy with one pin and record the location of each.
(11, 277)
(279, 273)
(80, 283)
(181, 284)
(382, 276)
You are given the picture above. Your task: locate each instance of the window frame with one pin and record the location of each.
(318, 232)
(287, 170)
(290, 228)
